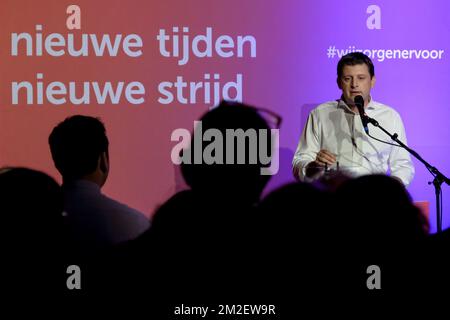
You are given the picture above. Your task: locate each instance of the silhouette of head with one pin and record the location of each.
(240, 182)
(379, 209)
(33, 231)
(296, 210)
(79, 148)
(31, 203)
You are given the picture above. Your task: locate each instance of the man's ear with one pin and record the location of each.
(104, 162)
(338, 83)
(372, 82)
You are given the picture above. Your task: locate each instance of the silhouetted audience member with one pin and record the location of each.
(79, 148)
(383, 209)
(297, 239)
(379, 225)
(438, 261)
(296, 212)
(240, 183)
(33, 232)
(208, 232)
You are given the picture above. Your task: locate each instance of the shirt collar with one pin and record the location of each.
(342, 104)
(82, 184)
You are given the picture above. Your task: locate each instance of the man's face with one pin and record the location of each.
(356, 81)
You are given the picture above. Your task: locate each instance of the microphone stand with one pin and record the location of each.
(439, 178)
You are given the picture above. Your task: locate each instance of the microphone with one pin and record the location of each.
(359, 102)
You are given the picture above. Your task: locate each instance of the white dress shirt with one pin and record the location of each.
(335, 127)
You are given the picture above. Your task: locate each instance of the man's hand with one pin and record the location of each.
(324, 157)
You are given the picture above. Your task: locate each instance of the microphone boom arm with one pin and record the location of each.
(439, 177)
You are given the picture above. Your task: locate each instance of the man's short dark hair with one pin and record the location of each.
(352, 59)
(76, 145)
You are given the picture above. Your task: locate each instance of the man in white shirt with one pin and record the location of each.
(334, 137)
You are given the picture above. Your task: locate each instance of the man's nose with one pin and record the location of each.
(354, 83)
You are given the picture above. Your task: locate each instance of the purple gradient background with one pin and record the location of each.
(417, 89)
